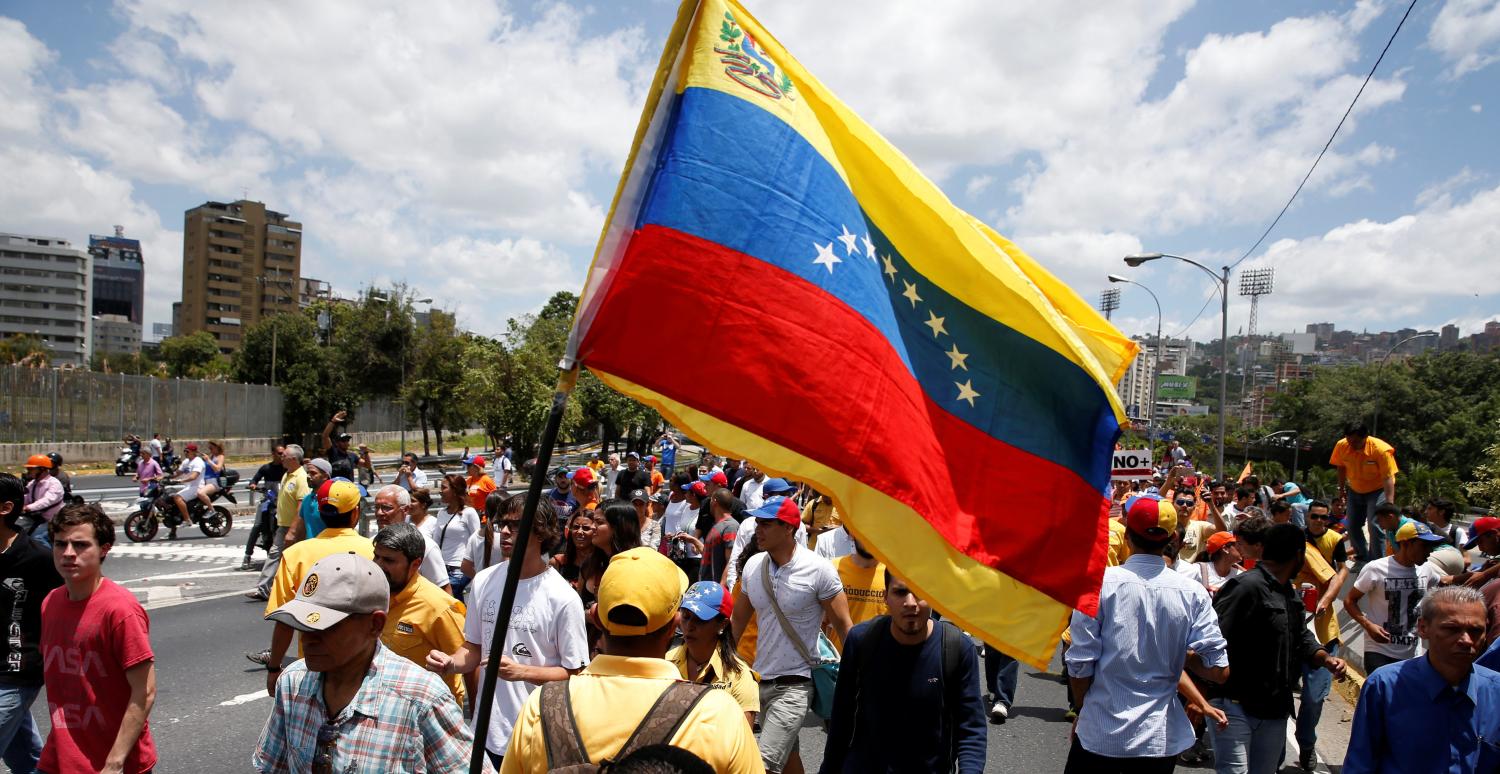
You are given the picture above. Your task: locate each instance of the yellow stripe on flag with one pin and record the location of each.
(1006, 613)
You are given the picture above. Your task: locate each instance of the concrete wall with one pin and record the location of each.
(15, 454)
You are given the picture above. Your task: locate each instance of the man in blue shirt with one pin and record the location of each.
(1125, 663)
(1436, 713)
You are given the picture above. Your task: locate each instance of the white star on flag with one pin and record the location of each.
(848, 239)
(958, 358)
(826, 256)
(890, 268)
(966, 391)
(869, 247)
(936, 324)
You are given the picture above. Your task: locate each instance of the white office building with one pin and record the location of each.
(45, 288)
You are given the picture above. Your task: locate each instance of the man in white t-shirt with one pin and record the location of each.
(190, 475)
(1394, 585)
(772, 487)
(805, 588)
(546, 641)
(1222, 563)
(751, 493)
(834, 544)
(504, 469)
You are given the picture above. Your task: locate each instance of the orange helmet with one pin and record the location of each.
(39, 461)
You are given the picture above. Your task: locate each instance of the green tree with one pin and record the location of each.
(1420, 482)
(192, 355)
(312, 388)
(1484, 490)
(24, 349)
(616, 414)
(135, 363)
(435, 372)
(368, 338)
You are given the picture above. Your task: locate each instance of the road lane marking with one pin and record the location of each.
(157, 605)
(246, 698)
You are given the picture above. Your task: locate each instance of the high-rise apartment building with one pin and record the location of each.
(240, 263)
(44, 292)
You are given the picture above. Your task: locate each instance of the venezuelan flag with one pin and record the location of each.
(849, 326)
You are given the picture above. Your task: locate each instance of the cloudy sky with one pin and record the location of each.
(470, 147)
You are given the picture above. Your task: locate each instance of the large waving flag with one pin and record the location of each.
(851, 327)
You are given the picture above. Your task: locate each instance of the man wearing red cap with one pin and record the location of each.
(792, 590)
(585, 488)
(1125, 662)
(1484, 535)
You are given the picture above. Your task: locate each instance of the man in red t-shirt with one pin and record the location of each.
(96, 655)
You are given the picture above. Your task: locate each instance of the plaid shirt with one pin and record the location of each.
(403, 719)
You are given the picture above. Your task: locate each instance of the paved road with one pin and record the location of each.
(211, 704)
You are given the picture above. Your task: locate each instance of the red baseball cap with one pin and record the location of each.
(583, 477)
(696, 488)
(719, 478)
(782, 509)
(1151, 517)
(1482, 526)
(477, 459)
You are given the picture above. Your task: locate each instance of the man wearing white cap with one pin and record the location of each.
(352, 704)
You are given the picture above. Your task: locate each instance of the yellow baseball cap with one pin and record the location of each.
(343, 496)
(640, 592)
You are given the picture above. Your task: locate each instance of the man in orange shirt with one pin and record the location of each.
(1367, 477)
(480, 484)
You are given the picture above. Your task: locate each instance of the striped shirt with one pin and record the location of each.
(402, 719)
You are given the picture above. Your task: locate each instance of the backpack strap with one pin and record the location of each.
(952, 661)
(665, 716)
(560, 728)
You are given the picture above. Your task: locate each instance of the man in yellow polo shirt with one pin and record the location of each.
(637, 610)
(338, 506)
(1367, 477)
(422, 617)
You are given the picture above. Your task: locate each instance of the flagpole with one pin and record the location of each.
(565, 383)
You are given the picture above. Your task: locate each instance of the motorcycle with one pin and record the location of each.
(157, 508)
(127, 461)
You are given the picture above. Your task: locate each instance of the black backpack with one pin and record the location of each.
(565, 749)
(953, 644)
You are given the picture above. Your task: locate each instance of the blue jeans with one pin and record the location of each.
(1000, 674)
(1316, 682)
(1361, 510)
(1249, 745)
(20, 744)
(458, 581)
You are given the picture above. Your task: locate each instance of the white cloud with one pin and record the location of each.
(1415, 269)
(1467, 34)
(1476, 108)
(21, 59)
(485, 120)
(1226, 145)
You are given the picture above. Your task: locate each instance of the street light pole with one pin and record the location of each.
(403, 380)
(1155, 367)
(1222, 279)
(1380, 371)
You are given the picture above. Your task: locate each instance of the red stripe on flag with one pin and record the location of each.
(769, 352)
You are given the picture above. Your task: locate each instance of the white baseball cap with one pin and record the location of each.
(336, 587)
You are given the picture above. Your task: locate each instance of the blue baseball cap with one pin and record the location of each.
(776, 486)
(708, 600)
(782, 509)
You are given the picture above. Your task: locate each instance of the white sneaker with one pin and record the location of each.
(999, 712)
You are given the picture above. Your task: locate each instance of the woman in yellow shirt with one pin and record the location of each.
(706, 655)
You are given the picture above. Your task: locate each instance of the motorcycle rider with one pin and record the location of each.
(44, 498)
(63, 477)
(266, 480)
(191, 477)
(148, 472)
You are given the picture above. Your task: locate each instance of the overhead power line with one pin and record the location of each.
(1331, 137)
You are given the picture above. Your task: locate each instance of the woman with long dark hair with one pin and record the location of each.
(617, 528)
(578, 546)
(706, 654)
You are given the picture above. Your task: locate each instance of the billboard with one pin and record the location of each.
(1173, 386)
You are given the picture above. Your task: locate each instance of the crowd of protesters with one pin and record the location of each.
(702, 615)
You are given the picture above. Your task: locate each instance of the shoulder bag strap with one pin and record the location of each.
(560, 728)
(665, 716)
(1203, 573)
(786, 627)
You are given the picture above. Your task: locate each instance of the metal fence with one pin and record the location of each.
(50, 404)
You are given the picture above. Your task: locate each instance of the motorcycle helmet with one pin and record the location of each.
(56, 459)
(39, 461)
